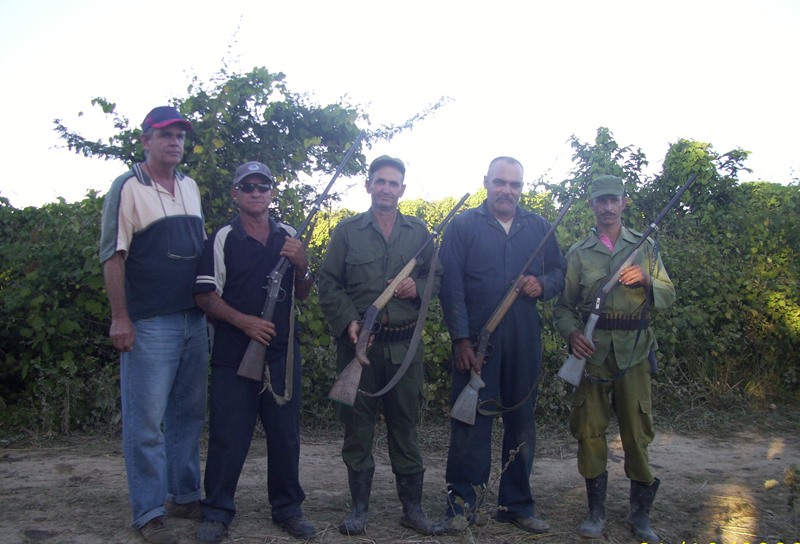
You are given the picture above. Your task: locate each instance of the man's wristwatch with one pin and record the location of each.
(307, 276)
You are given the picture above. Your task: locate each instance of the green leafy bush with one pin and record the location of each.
(731, 249)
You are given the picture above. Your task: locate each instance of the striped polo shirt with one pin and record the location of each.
(161, 236)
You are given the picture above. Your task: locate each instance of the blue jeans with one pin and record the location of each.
(164, 382)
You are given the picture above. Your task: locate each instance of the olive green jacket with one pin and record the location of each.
(589, 265)
(358, 265)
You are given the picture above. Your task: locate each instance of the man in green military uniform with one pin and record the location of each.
(617, 374)
(364, 254)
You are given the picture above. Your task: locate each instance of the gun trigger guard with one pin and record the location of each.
(281, 295)
(375, 329)
(489, 347)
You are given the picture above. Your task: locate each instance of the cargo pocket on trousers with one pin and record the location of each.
(577, 425)
(645, 433)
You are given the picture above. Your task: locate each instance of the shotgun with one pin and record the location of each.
(466, 405)
(252, 365)
(572, 370)
(345, 388)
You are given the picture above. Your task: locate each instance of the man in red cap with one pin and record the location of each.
(151, 241)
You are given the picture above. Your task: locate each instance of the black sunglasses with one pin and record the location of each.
(250, 187)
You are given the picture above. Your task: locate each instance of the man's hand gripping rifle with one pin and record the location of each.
(466, 405)
(345, 388)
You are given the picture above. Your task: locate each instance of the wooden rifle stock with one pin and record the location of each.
(573, 369)
(371, 314)
(466, 405)
(252, 365)
(345, 388)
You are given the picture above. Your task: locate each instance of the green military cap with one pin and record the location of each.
(607, 185)
(386, 160)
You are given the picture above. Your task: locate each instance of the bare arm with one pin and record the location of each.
(121, 331)
(253, 326)
(294, 250)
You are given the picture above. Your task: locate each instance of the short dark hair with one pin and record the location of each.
(509, 160)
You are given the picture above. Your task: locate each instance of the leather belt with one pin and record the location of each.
(399, 333)
(620, 322)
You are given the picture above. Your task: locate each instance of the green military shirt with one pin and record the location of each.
(358, 265)
(589, 265)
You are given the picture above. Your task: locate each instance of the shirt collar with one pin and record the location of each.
(368, 219)
(241, 234)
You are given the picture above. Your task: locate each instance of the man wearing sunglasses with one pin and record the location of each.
(230, 289)
(151, 240)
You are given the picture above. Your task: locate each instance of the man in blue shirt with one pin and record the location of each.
(483, 252)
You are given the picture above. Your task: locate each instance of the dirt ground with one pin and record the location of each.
(713, 490)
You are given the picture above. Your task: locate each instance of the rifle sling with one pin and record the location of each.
(423, 315)
(502, 409)
(288, 385)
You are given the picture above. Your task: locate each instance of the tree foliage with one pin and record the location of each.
(57, 369)
(730, 248)
(240, 117)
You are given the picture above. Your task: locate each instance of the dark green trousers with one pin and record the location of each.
(629, 398)
(402, 407)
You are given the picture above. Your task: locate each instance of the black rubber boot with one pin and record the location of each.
(409, 489)
(642, 497)
(596, 495)
(360, 488)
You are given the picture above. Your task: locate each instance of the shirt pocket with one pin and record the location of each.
(592, 275)
(361, 266)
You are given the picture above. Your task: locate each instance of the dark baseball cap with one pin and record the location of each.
(163, 116)
(607, 186)
(386, 160)
(252, 168)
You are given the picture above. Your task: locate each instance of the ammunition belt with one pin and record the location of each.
(399, 333)
(620, 322)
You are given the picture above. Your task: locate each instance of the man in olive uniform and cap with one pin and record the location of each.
(364, 254)
(617, 371)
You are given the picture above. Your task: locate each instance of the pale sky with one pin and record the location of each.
(522, 75)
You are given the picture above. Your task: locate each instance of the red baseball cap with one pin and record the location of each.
(163, 116)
